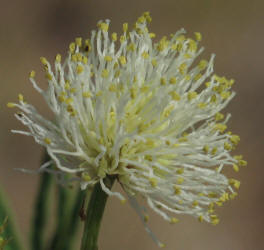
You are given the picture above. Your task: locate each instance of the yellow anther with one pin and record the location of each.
(86, 176)
(112, 88)
(197, 77)
(67, 85)
(182, 68)
(192, 95)
(233, 195)
(242, 163)
(47, 140)
(141, 19)
(146, 218)
(202, 64)
(108, 58)
(238, 157)
(175, 96)
(180, 38)
(162, 81)
(206, 149)
(58, 58)
(207, 84)
(122, 39)
(72, 47)
(87, 46)
(123, 201)
(10, 105)
(212, 195)
(152, 35)
(117, 73)
(195, 203)
(174, 46)
(219, 116)
(225, 95)
(32, 74)
(85, 60)
(153, 181)
(234, 139)
(177, 190)
(145, 55)
(74, 58)
(227, 146)
(200, 218)
(161, 245)
(20, 97)
(163, 44)
(154, 62)
(48, 76)
(220, 127)
(187, 56)
(180, 180)
(61, 98)
(103, 26)
(87, 94)
(235, 183)
(198, 36)
(71, 110)
(202, 105)
(214, 151)
(133, 93)
(131, 47)
(73, 90)
(79, 69)
(114, 36)
(215, 221)
(183, 139)
(211, 206)
(180, 171)
(69, 100)
(213, 216)
(172, 80)
(192, 45)
(174, 220)
(125, 27)
(44, 61)
(79, 57)
(105, 73)
(122, 60)
(213, 99)
(78, 41)
(148, 157)
(147, 16)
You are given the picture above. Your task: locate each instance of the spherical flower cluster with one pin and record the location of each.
(144, 112)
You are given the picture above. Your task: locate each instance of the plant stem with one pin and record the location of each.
(41, 210)
(8, 231)
(63, 199)
(68, 218)
(74, 219)
(94, 215)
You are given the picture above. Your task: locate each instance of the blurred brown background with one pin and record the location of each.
(232, 29)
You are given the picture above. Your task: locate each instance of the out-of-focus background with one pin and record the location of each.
(232, 29)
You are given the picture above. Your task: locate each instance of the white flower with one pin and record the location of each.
(143, 111)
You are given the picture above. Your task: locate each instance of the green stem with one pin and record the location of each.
(8, 232)
(74, 220)
(94, 215)
(58, 239)
(41, 210)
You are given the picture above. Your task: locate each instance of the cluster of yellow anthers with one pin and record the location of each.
(143, 111)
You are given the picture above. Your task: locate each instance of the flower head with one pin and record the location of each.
(143, 111)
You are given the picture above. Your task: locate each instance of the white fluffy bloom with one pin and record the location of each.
(142, 111)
